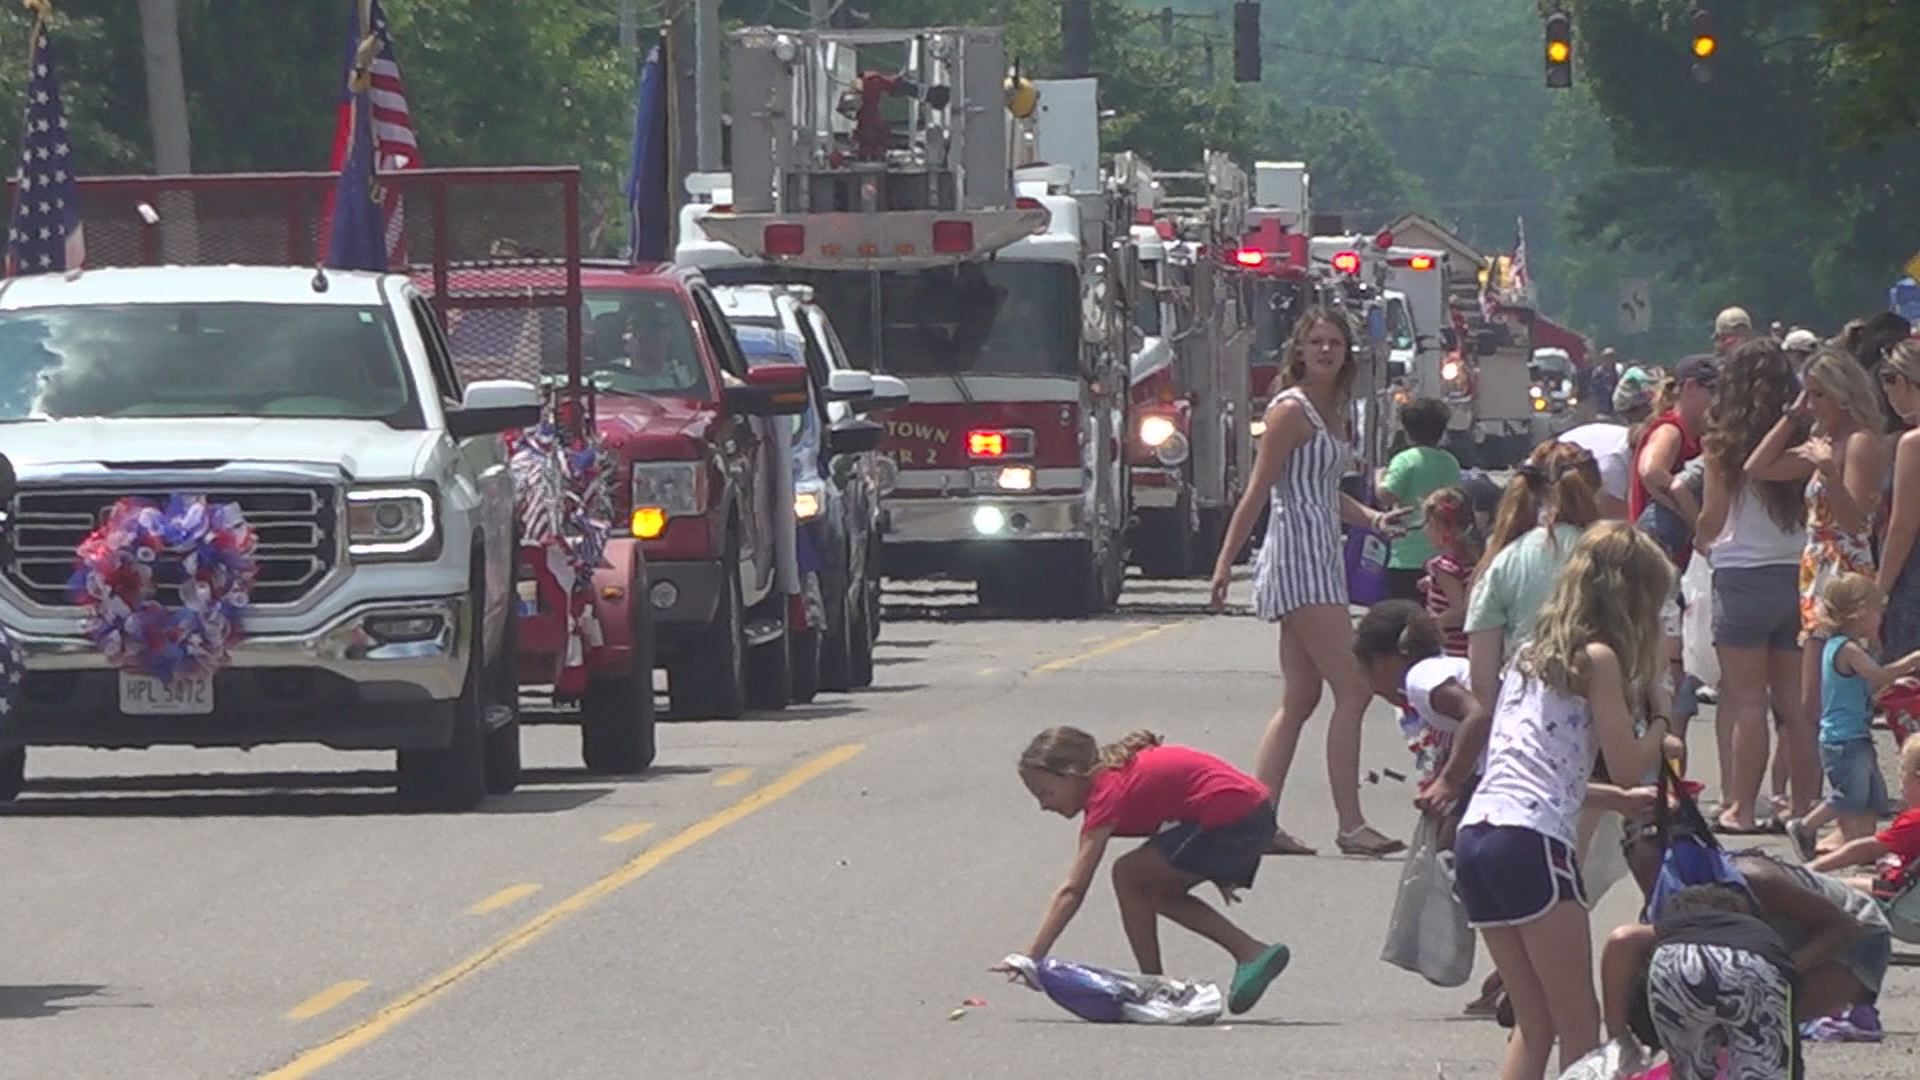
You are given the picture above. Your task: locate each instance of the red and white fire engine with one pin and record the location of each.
(873, 165)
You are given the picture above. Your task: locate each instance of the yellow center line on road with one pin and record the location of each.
(628, 832)
(512, 894)
(732, 778)
(402, 1008)
(327, 999)
(1110, 645)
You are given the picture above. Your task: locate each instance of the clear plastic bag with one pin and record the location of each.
(1106, 996)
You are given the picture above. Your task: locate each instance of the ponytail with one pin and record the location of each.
(1117, 755)
(1557, 485)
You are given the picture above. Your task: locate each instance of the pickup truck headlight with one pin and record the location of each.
(397, 523)
(668, 489)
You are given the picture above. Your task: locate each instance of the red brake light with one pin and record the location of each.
(786, 239)
(1249, 256)
(1027, 202)
(1347, 262)
(951, 236)
(1420, 262)
(1142, 216)
(986, 444)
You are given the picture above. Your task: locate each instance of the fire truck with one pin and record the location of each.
(874, 165)
(1189, 447)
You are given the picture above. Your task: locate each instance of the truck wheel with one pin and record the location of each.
(453, 778)
(770, 668)
(13, 773)
(846, 628)
(860, 658)
(617, 715)
(503, 692)
(711, 680)
(1163, 544)
(803, 656)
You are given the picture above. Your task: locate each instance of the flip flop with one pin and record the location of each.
(1251, 978)
(1350, 844)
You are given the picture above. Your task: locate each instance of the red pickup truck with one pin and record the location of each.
(705, 485)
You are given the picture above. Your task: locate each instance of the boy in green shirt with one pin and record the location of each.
(1413, 474)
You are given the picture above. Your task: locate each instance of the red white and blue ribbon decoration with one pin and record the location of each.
(13, 671)
(563, 484)
(205, 549)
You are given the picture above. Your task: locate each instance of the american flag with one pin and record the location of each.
(393, 139)
(46, 235)
(1521, 279)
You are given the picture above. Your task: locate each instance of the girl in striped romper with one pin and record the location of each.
(1299, 578)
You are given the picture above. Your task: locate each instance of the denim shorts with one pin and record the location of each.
(1757, 607)
(1853, 777)
(1228, 855)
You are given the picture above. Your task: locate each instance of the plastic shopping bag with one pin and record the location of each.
(1901, 704)
(1619, 1059)
(1428, 932)
(1697, 654)
(1105, 996)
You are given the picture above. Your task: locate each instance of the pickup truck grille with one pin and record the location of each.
(295, 530)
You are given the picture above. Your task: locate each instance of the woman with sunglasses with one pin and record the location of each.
(1899, 572)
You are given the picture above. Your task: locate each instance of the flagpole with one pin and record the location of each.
(42, 11)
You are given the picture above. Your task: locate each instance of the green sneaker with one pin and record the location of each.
(1251, 978)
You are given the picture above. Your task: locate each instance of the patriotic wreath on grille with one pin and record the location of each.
(563, 486)
(206, 549)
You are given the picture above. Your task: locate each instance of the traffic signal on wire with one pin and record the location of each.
(1246, 41)
(1706, 44)
(1559, 51)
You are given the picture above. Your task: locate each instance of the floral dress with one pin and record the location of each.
(1830, 552)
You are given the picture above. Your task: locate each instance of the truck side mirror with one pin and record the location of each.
(769, 390)
(855, 437)
(9, 482)
(1094, 290)
(888, 393)
(493, 406)
(849, 385)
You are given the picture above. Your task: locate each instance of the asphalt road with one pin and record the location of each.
(804, 895)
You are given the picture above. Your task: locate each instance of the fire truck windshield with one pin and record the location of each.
(992, 318)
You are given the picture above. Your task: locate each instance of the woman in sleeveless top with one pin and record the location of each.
(1900, 551)
(1843, 464)
(1299, 577)
(1754, 533)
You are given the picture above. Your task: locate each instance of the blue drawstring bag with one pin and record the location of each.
(1689, 855)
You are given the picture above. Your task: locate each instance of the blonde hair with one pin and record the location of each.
(1068, 751)
(1611, 592)
(1847, 596)
(1910, 756)
(1904, 360)
(1842, 378)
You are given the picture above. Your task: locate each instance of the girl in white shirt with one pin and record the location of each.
(1596, 645)
(1399, 646)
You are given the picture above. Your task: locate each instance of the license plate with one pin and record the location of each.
(144, 695)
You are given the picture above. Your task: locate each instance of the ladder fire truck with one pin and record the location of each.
(1189, 447)
(877, 167)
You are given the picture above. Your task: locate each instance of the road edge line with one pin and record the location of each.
(391, 1015)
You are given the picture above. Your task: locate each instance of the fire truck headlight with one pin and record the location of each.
(1016, 478)
(1156, 430)
(989, 521)
(1536, 392)
(1173, 451)
(1258, 427)
(1450, 370)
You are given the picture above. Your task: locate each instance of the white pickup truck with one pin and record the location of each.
(327, 408)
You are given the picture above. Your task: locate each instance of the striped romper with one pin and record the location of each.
(1300, 562)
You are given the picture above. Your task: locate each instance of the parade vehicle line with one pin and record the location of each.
(395, 1012)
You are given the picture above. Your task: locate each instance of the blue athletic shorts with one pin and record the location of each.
(1505, 875)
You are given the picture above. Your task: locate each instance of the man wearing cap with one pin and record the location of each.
(1732, 328)
(1799, 345)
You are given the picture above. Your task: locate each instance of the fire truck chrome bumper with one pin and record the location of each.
(927, 521)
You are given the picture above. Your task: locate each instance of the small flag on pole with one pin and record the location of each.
(374, 101)
(647, 201)
(46, 235)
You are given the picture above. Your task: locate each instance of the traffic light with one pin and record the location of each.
(1559, 52)
(1246, 41)
(1706, 44)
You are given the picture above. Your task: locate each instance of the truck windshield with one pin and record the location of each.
(641, 341)
(1399, 323)
(999, 318)
(315, 361)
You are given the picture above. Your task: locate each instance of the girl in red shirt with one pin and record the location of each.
(1204, 821)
